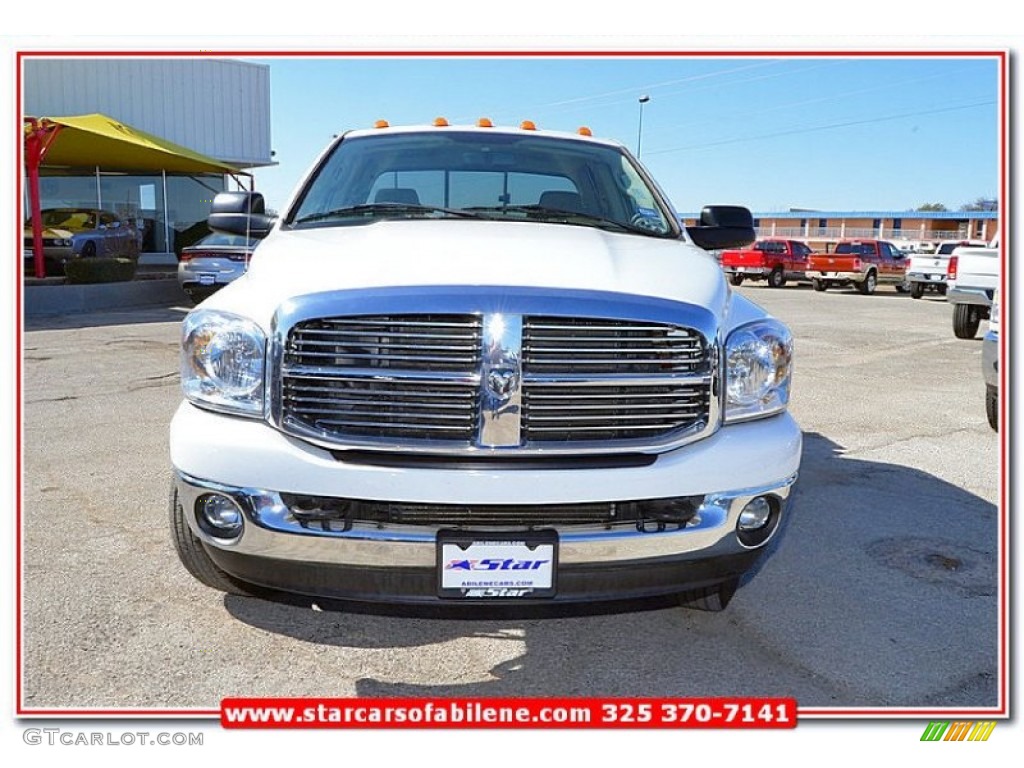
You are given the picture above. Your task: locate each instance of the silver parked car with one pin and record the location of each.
(213, 262)
(73, 233)
(990, 366)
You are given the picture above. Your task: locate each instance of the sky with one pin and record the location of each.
(839, 132)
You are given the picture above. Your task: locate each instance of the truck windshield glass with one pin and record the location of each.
(482, 176)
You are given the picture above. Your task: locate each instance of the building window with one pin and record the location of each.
(876, 224)
(822, 223)
(897, 223)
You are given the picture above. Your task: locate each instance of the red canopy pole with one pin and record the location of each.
(37, 141)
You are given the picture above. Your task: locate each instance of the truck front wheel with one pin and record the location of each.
(194, 557)
(777, 278)
(966, 319)
(916, 290)
(819, 285)
(992, 406)
(736, 279)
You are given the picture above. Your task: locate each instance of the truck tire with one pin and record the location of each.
(819, 284)
(992, 407)
(868, 284)
(736, 279)
(713, 599)
(777, 278)
(966, 319)
(916, 290)
(194, 557)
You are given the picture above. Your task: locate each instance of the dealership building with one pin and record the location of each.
(219, 109)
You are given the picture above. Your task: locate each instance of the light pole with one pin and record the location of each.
(640, 128)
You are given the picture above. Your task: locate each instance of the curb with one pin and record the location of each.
(68, 299)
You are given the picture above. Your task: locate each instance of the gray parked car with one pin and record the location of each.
(213, 262)
(73, 233)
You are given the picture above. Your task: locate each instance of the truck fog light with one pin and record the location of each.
(758, 520)
(755, 514)
(219, 516)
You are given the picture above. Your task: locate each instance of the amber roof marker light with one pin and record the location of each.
(381, 124)
(528, 125)
(484, 122)
(440, 122)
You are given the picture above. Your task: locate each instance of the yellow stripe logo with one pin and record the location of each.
(960, 730)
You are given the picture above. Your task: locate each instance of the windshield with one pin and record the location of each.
(480, 176)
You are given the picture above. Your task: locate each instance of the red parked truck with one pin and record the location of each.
(861, 263)
(773, 260)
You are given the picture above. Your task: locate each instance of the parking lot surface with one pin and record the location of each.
(882, 593)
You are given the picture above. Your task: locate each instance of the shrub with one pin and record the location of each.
(82, 271)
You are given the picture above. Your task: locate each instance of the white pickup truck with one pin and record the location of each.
(927, 271)
(973, 278)
(472, 364)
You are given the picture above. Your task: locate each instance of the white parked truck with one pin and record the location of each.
(927, 271)
(474, 365)
(973, 278)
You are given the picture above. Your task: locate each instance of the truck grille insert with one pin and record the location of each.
(425, 381)
(338, 514)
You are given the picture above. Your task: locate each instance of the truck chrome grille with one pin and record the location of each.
(572, 345)
(494, 382)
(386, 377)
(417, 343)
(381, 408)
(610, 411)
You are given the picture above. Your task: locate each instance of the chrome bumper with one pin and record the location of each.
(978, 296)
(855, 277)
(271, 532)
(990, 359)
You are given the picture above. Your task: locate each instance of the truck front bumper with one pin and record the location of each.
(254, 464)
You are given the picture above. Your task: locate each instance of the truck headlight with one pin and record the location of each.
(222, 362)
(758, 368)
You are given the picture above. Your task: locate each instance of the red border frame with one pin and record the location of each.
(1001, 56)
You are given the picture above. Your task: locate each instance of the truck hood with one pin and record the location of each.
(431, 252)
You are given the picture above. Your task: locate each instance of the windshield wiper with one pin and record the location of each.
(372, 208)
(542, 211)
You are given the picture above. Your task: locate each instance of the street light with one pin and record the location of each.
(640, 128)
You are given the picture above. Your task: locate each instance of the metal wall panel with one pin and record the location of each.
(218, 107)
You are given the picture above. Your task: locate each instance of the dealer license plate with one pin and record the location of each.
(205, 279)
(496, 566)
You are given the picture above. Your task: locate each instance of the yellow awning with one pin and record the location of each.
(88, 141)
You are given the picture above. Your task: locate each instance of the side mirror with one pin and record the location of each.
(240, 213)
(723, 226)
